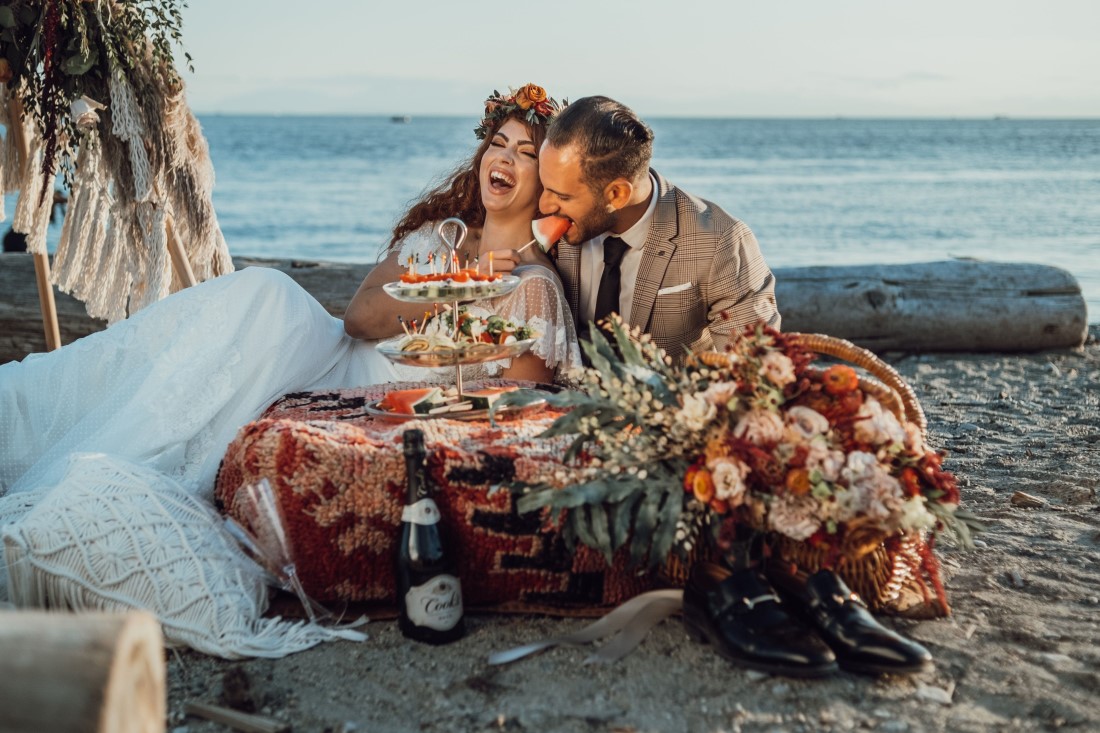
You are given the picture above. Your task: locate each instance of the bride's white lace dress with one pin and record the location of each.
(159, 396)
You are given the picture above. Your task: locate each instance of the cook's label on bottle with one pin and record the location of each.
(422, 512)
(436, 604)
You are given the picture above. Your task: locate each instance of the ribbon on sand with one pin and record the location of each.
(629, 623)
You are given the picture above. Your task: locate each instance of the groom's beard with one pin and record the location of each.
(594, 223)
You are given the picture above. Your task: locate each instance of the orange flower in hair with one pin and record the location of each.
(530, 95)
(531, 102)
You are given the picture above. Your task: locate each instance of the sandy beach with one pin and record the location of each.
(1021, 651)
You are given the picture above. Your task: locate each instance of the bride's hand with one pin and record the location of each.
(504, 261)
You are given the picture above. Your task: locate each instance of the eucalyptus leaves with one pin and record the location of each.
(636, 451)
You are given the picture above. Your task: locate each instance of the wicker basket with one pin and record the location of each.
(887, 574)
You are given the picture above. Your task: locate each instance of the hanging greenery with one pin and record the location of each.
(57, 51)
(94, 86)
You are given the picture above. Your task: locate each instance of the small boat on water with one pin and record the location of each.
(401, 118)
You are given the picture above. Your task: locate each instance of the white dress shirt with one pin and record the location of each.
(592, 263)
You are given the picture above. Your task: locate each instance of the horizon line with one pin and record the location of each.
(829, 118)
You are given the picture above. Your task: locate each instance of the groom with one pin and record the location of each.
(689, 274)
(674, 265)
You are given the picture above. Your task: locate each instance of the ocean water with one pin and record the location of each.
(815, 192)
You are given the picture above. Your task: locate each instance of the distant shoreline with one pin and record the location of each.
(698, 118)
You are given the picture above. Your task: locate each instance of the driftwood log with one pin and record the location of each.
(87, 672)
(928, 307)
(957, 305)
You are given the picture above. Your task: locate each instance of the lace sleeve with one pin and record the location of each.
(540, 301)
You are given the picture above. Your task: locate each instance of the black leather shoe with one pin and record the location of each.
(740, 614)
(861, 643)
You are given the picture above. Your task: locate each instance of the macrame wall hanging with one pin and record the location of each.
(90, 91)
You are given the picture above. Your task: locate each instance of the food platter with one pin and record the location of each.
(443, 292)
(462, 354)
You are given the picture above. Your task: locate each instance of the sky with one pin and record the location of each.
(691, 58)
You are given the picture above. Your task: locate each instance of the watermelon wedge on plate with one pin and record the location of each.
(411, 401)
(483, 399)
(548, 230)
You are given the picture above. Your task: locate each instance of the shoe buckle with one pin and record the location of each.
(843, 600)
(751, 602)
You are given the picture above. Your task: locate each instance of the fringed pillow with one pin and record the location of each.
(113, 535)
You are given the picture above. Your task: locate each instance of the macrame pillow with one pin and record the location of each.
(114, 536)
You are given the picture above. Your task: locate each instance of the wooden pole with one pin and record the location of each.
(81, 673)
(46, 301)
(41, 260)
(179, 258)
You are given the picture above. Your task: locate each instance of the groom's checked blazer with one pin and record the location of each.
(702, 278)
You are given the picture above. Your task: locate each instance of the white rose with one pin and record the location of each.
(826, 460)
(794, 516)
(876, 426)
(804, 423)
(720, 393)
(695, 413)
(777, 368)
(729, 476)
(871, 491)
(760, 427)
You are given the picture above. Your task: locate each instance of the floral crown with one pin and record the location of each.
(530, 101)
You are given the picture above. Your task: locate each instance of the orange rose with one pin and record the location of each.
(719, 506)
(535, 93)
(530, 95)
(798, 481)
(5, 71)
(840, 379)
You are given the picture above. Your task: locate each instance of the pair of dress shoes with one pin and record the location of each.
(810, 628)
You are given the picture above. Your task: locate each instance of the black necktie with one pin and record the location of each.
(607, 297)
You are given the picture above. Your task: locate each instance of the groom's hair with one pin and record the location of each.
(613, 141)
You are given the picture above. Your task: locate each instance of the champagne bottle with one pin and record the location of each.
(429, 595)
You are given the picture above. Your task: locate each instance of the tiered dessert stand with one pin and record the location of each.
(452, 232)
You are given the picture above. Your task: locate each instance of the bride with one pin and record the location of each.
(109, 447)
(169, 387)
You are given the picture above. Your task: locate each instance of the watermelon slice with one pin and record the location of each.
(548, 230)
(411, 401)
(483, 399)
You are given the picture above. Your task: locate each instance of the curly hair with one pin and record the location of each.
(460, 193)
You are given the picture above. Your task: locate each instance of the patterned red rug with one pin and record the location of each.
(339, 474)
